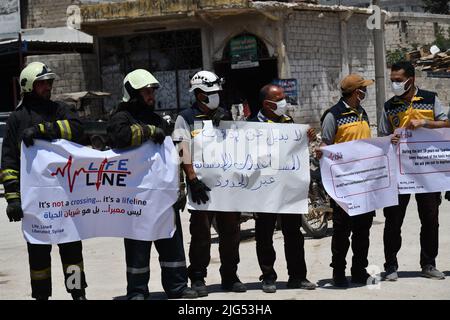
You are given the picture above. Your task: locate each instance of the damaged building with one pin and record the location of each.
(301, 45)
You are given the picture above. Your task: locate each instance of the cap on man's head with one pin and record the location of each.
(354, 81)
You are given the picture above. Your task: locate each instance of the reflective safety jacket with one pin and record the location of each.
(53, 119)
(350, 124)
(128, 126)
(190, 116)
(400, 112)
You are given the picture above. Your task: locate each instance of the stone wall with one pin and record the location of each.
(75, 72)
(405, 30)
(45, 13)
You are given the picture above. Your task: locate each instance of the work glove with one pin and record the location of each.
(198, 191)
(33, 132)
(14, 210)
(181, 201)
(29, 135)
(156, 134)
(217, 116)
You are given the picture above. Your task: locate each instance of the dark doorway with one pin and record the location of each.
(245, 83)
(9, 84)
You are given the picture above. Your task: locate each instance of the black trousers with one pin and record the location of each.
(171, 259)
(428, 207)
(228, 224)
(293, 245)
(359, 227)
(40, 268)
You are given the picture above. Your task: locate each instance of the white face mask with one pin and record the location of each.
(214, 100)
(281, 107)
(399, 88)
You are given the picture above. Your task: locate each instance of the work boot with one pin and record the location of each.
(391, 274)
(234, 286)
(199, 285)
(41, 298)
(187, 293)
(269, 286)
(78, 294)
(294, 283)
(138, 296)
(339, 279)
(431, 272)
(360, 278)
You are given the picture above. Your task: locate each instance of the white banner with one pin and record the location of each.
(424, 160)
(70, 192)
(253, 167)
(360, 175)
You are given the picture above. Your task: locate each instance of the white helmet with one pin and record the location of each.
(206, 81)
(35, 71)
(136, 80)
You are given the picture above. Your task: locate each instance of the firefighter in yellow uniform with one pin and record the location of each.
(347, 121)
(411, 108)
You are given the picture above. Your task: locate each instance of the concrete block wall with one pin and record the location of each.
(315, 55)
(313, 47)
(46, 13)
(75, 72)
(404, 30)
(362, 59)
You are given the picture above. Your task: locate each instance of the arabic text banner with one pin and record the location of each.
(360, 175)
(423, 160)
(253, 167)
(70, 192)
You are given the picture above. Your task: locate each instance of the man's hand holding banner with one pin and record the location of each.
(364, 175)
(70, 192)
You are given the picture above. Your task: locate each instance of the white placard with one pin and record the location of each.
(360, 175)
(253, 167)
(70, 192)
(424, 160)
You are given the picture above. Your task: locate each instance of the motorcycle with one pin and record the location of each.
(315, 222)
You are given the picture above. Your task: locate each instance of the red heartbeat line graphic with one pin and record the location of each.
(72, 177)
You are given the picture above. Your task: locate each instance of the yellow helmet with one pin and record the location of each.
(35, 71)
(136, 80)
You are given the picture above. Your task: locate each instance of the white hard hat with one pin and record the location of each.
(206, 81)
(136, 80)
(35, 71)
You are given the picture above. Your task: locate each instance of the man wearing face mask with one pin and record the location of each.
(411, 108)
(347, 121)
(273, 110)
(206, 86)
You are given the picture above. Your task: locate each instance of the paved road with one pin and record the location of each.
(105, 266)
